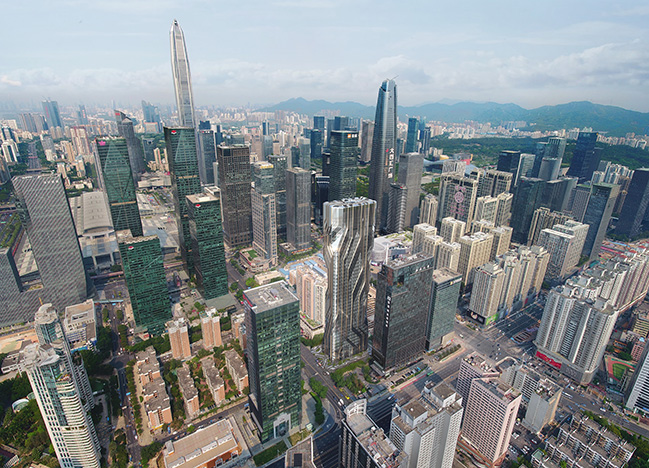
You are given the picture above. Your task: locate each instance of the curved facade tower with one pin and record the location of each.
(182, 77)
(348, 239)
(384, 144)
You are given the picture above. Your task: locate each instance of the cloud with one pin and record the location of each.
(4, 79)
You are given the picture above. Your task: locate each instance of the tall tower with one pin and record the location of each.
(635, 205)
(264, 214)
(585, 157)
(597, 216)
(412, 139)
(118, 182)
(280, 164)
(411, 168)
(384, 143)
(234, 182)
(344, 151)
(443, 306)
(348, 239)
(133, 143)
(298, 208)
(52, 115)
(182, 77)
(183, 165)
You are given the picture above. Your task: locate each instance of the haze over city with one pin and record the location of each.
(264, 52)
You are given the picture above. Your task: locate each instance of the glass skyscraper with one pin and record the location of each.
(585, 157)
(234, 182)
(273, 349)
(280, 165)
(183, 165)
(182, 77)
(133, 143)
(384, 144)
(443, 306)
(119, 185)
(342, 171)
(412, 139)
(146, 281)
(298, 208)
(207, 156)
(598, 215)
(52, 114)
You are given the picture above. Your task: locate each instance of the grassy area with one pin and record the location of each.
(299, 436)
(270, 453)
(252, 254)
(618, 370)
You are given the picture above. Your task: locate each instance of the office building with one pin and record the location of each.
(363, 443)
(45, 215)
(118, 184)
(525, 167)
(150, 112)
(279, 177)
(578, 201)
(412, 138)
(585, 157)
(298, 208)
(205, 228)
(206, 156)
(486, 294)
(234, 182)
(502, 240)
(637, 395)
(367, 133)
(183, 165)
(443, 307)
(428, 210)
(489, 418)
(448, 256)
(133, 144)
(146, 280)
(402, 303)
(544, 218)
(52, 114)
(178, 330)
(493, 183)
(316, 144)
(348, 239)
(342, 172)
(504, 210)
(452, 229)
(457, 195)
(509, 161)
(426, 428)
(273, 323)
(598, 215)
(384, 147)
(80, 325)
(475, 250)
(182, 78)
(264, 214)
(486, 208)
(474, 366)
(634, 210)
(411, 168)
(564, 242)
(527, 199)
(211, 328)
(57, 392)
(397, 203)
(551, 159)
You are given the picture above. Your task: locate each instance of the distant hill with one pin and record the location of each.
(614, 120)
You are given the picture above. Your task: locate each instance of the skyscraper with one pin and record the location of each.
(457, 195)
(133, 143)
(443, 306)
(183, 165)
(637, 395)
(298, 208)
(564, 242)
(527, 199)
(204, 212)
(207, 156)
(411, 168)
(412, 138)
(273, 350)
(182, 77)
(384, 142)
(402, 302)
(264, 214)
(428, 210)
(367, 133)
(493, 183)
(598, 215)
(150, 113)
(52, 114)
(45, 215)
(234, 182)
(146, 281)
(635, 205)
(315, 147)
(342, 172)
(348, 238)
(118, 183)
(280, 164)
(397, 202)
(509, 161)
(586, 157)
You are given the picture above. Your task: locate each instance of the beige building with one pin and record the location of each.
(178, 330)
(237, 369)
(188, 389)
(486, 208)
(428, 210)
(457, 195)
(214, 381)
(502, 240)
(486, 293)
(448, 256)
(211, 327)
(475, 250)
(543, 218)
(147, 365)
(504, 211)
(157, 404)
(474, 366)
(419, 233)
(564, 242)
(452, 229)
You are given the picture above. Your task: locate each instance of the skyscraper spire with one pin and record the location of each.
(182, 77)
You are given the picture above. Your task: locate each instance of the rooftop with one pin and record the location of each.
(269, 296)
(202, 446)
(90, 212)
(202, 198)
(187, 386)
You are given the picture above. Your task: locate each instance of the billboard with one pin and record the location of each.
(549, 360)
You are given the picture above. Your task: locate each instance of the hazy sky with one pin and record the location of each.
(531, 53)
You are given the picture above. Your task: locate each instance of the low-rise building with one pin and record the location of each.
(237, 369)
(214, 381)
(148, 367)
(188, 389)
(80, 324)
(157, 405)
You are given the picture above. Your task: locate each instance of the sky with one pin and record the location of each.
(250, 52)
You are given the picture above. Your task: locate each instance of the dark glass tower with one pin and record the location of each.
(133, 143)
(317, 137)
(273, 350)
(298, 208)
(412, 136)
(443, 306)
(279, 176)
(182, 77)
(402, 302)
(527, 198)
(52, 114)
(342, 170)
(183, 165)
(585, 157)
(508, 161)
(118, 182)
(598, 215)
(635, 205)
(207, 156)
(204, 211)
(411, 168)
(234, 182)
(384, 144)
(146, 282)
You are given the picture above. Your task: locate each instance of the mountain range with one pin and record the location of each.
(616, 121)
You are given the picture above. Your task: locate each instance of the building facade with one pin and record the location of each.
(234, 182)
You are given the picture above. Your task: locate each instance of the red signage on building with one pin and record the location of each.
(549, 360)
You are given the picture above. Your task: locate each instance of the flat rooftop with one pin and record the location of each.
(202, 198)
(269, 296)
(202, 446)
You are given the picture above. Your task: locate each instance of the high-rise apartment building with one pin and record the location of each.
(44, 212)
(452, 229)
(298, 208)
(211, 328)
(457, 195)
(182, 77)
(502, 240)
(586, 157)
(135, 150)
(448, 256)
(348, 239)
(598, 215)
(402, 303)
(342, 172)
(205, 228)
(146, 280)
(494, 182)
(443, 306)
(475, 250)
(474, 366)
(426, 428)
(419, 233)
(411, 168)
(486, 208)
(279, 177)
(273, 350)
(634, 209)
(486, 294)
(504, 210)
(544, 218)
(384, 147)
(52, 114)
(118, 183)
(178, 330)
(564, 242)
(234, 182)
(183, 165)
(428, 210)
(264, 214)
(489, 419)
